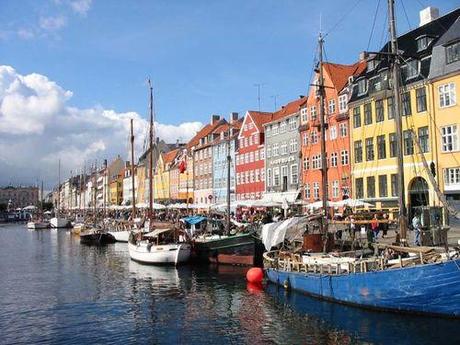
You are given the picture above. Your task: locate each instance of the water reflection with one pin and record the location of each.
(53, 290)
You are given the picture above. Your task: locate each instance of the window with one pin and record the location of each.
(306, 163)
(246, 143)
(367, 114)
(369, 149)
(449, 138)
(343, 106)
(262, 154)
(446, 95)
(408, 142)
(275, 150)
(379, 115)
(313, 113)
(358, 151)
(345, 158)
(292, 124)
(276, 177)
(256, 155)
(333, 132)
(394, 185)
(410, 70)
(316, 162)
(283, 126)
(383, 187)
(335, 189)
(362, 86)
(356, 117)
(250, 140)
(305, 139)
(393, 145)
(406, 107)
(452, 176)
(453, 52)
(390, 108)
(268, 131)
(334, 159)
(275, 129)
(343, 130)
(316, 190)
(420, 95)
(314, 136)
(423, 42)
(381, 147)
(262, 174)
(294, 174)
(303, 114)
(269, 151)
(423, 139)
(293, 145)
(256, 139)
(359, 187)
(283, 148)
(307, 191)
(251, 176)
(370, 181)
(331, 106)
(269, 177)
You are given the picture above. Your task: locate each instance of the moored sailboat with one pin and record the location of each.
(57, 221)
(420, 280)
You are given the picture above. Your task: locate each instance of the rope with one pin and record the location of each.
(373, 25)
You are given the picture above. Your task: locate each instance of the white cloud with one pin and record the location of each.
(53, 23)
(37, 127)
(25, 34)
(81, 6)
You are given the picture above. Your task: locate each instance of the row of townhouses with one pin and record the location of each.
(277, 155)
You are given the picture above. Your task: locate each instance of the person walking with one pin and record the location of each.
(416, 227)
(375, 227)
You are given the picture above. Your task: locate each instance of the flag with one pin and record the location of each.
(182, 166)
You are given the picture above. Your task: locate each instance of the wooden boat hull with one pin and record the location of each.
(167, 254)
(424, 289)
(120, 236)
(240, 249)
(97, 239)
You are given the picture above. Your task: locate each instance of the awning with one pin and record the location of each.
(194, 219)
(281, 197)
(289, 229)
(156, 232)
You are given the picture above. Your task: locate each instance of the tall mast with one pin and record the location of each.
(132, 172)
(59, 188)
(229, 160)
(395, 70)
(41, 199)
(323, 136)
(151, 154)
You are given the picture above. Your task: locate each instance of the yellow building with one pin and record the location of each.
(161, 180)
(116, 191)
(445, 79)
(373, 131)
(141, 172)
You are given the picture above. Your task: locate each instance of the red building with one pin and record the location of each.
(250, 156)
(336, 80)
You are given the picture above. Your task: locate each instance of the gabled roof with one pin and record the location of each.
(339, 73)
(260, 118)
(169, 157)
(203, 132)
(289, 109)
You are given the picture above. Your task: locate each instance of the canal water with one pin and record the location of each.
(55, 291)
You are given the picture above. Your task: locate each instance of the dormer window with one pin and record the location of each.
(453, 52)
(411, 69)
(222, 135)
(423, 42)
(362, 86)
(372, 64)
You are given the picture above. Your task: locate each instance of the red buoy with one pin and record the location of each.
(254, 288)
(255, 275)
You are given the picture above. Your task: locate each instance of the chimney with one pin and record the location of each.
(363, 56)
(105, 163)
(301, 96)
(214, 119)
(428, 14)
(233, 117)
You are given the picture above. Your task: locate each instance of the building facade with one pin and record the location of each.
(250, 156)
(282, 148)
(336, 97)
(19, 196)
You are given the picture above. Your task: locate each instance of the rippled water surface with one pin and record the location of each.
(54, 290)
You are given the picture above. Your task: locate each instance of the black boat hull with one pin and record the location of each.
(97, 239)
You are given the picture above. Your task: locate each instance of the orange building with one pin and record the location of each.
(336, 80)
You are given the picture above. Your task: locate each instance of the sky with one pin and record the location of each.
(73, 72)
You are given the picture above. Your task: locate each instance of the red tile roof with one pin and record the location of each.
(289, 109)
(339, 73)
(260, 118)
(203, 132)
(168, 157)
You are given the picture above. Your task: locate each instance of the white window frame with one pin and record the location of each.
(449, 137)
(294, 173)
(333, 132)
(343, 103)
(343, 130)
(331, 106)
(447, 95)
(344, 157)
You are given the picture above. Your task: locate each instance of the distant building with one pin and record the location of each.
(19, 196)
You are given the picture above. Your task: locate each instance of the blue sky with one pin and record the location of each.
(203, 56)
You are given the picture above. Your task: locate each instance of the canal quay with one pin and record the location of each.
(56, 291)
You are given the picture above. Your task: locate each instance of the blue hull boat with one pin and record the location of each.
(422, 289)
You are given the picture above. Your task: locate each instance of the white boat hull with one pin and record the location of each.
(59, 222)
(168, 254)
(38, 225)
(120, 236)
